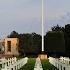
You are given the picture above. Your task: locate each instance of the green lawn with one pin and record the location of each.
(47, 66)
(30, 64)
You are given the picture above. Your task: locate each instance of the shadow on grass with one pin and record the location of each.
(47, 66)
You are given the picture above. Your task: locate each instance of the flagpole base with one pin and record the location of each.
(43, 56)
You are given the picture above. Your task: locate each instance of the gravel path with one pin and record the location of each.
(38, 65)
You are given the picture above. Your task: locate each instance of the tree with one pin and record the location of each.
(55, 40)
(13, 34)
(55, 43)
(28, 43)
(58, 28)
(67, 39)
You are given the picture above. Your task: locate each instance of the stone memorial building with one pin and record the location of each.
(10, 46)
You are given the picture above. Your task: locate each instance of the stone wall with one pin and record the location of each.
(14, 46)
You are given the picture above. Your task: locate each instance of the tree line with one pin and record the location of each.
(29, 43)
(56, 42)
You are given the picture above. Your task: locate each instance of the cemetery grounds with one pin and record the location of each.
(26, 64)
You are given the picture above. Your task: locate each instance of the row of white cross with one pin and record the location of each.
(62, 63)
(12, 63)
(6, 62)
(38, 65)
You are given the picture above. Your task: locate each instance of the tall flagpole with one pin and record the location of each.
(43, 55)
(42, 26)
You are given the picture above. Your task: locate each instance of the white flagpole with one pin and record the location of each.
(42, 26)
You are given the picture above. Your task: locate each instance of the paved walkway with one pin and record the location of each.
(38, 65)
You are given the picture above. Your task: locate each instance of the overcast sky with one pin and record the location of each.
(58, 12)
(20, 15)
(25, 15)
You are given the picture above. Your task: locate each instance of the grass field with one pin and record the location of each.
(47, 66)
(30, 64)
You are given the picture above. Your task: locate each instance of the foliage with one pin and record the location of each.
(28, 43)
(54, 42)
(67, 39)
(58, 28)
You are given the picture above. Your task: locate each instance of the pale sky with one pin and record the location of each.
(58, 12)
(20, 15)
(24, 16)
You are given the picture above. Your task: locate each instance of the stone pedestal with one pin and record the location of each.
(42, 56)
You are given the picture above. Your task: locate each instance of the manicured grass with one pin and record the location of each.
(30, 64)
(47, 66)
